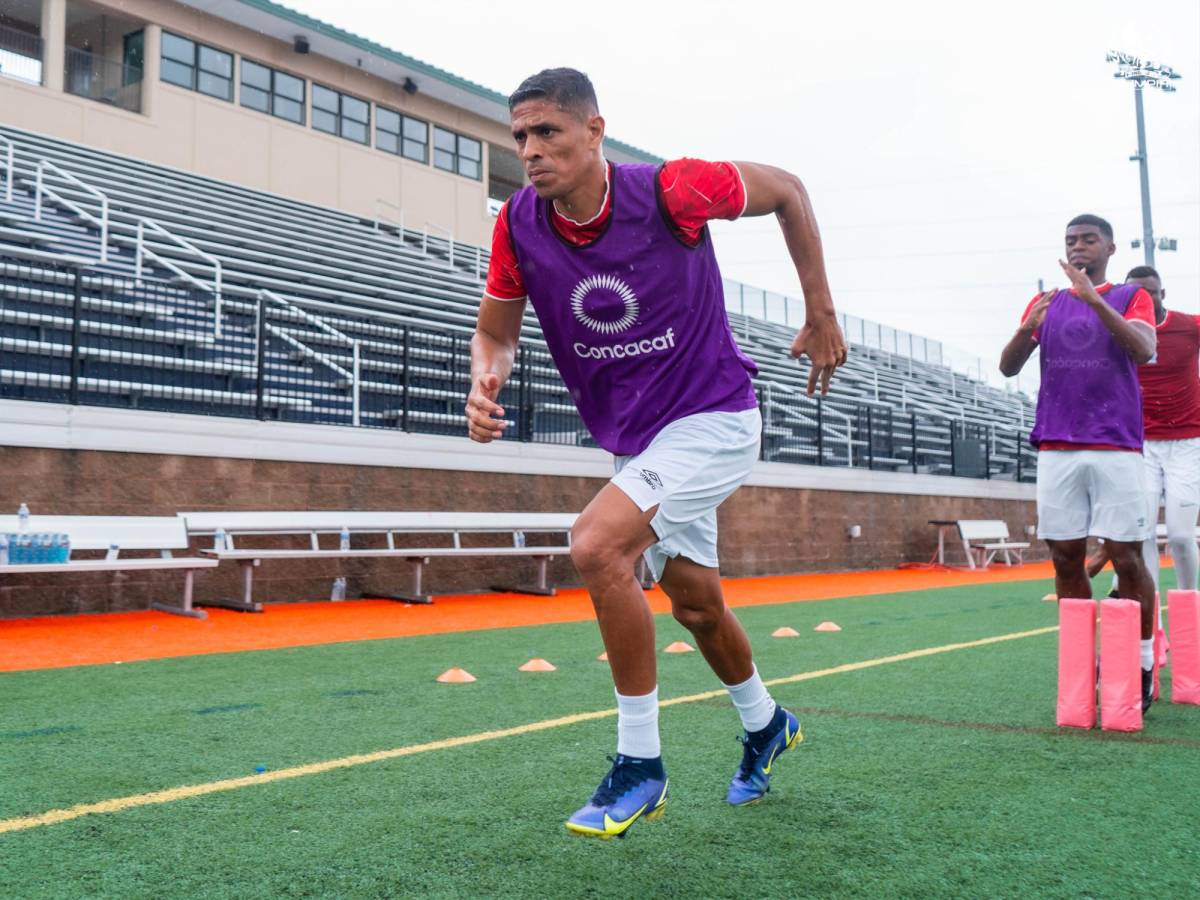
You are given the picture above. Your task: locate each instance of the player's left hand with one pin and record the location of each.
(1080, 281)
(822, 340)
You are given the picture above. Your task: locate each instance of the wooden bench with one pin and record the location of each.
(984, 538)
(161, 533)
(387, 530)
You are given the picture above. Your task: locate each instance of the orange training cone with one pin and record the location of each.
(603, 657)
(785, 631)
(1051, 598)
(456, 676)
(679, 647)
(537, 664)
(828, 626)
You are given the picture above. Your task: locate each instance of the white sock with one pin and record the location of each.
(637, 726)
(1148, 653)
(753, 702)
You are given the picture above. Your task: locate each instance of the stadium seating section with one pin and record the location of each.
(363, 321)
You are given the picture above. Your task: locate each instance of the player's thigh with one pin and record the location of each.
(1063, 499)
(1182, 480)
(612, 522)
(1118, 495)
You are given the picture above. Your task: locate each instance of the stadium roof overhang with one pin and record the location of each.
(278, 21)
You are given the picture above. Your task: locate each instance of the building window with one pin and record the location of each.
(197, 67)
(341, 114)
(271, 91)
(401, 135)
(457, 153)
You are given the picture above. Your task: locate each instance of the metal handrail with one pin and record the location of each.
(354, 377)
(399, 223)
(144, 252)
(8, 169)
(449, 237)
(42, 189)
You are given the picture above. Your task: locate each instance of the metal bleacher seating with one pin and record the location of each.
(361, 321)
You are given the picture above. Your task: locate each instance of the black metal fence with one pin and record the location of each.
(86, 337)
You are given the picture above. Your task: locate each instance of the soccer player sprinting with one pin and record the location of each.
(1088, 429)
(1171, 415)
(619, 266)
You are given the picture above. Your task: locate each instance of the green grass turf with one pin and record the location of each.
(936, 776)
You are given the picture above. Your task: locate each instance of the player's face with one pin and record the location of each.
(1088, 248)
(556, 146)
(1153, 287)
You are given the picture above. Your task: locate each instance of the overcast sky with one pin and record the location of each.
(944, 144)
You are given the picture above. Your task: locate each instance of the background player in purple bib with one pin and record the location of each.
(621, 274)
(1088, 429)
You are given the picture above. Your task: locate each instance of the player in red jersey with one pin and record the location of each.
(1171, 413)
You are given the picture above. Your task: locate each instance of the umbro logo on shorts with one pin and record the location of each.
(651, 478)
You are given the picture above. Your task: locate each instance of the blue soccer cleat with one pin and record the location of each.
(753, 776)
(632, 789)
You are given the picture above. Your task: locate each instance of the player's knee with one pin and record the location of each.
(1181, 546)
(699, 618)
(592, 552)
(1128, 564)
(1068, 557)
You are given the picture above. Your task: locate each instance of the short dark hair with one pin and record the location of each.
(1089, 219)
(569, 89)
(1143, 272)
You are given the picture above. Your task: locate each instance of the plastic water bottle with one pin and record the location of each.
(3, 549)
(113, 551)
(339, 584)
(62, 548)
(46, 548)
(22, 518)
(219, 541)
(24, 549)
(519, 539)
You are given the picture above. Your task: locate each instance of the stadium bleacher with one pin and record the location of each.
(365, 322)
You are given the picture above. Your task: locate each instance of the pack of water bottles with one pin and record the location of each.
(39, 547)
(26, 547)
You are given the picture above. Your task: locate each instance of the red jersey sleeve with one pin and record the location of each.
(695, 191)
(1028, 310)
(1141, 309)
(504, 280)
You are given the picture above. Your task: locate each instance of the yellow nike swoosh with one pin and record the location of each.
(775, 752)
(613, 827)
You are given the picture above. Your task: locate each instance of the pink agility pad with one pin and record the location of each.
(1076, 663)
(1120, 665)
(1183, 608)
(1160, 650)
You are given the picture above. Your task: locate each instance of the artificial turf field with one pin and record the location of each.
(933, 775)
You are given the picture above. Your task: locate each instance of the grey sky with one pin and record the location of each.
(944, 144)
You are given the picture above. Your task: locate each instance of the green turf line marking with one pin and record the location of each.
(185, 792)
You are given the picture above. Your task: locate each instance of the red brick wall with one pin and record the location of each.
(763, 530)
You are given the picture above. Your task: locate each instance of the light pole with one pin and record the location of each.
(1144, 73)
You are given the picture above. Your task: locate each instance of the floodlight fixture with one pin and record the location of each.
(1143, 73)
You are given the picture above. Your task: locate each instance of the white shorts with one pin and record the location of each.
(1092, 492)
(1173, 470)
(690, 467)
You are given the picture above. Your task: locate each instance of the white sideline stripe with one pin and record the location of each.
(170, 795)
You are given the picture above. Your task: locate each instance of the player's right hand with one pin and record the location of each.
(1037, 312)
(485, 420)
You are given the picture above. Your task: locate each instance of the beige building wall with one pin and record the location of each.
(224, 140)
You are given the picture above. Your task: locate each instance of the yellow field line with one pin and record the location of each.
(119, 804)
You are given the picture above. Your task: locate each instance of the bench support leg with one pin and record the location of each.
(185, 608)
(246, 604)
(541, 587)
(416, 595)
